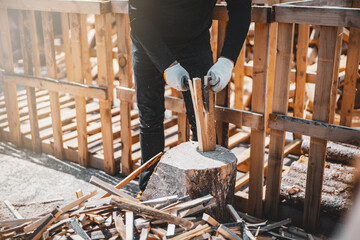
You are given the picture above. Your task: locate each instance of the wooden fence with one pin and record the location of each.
(77, 119)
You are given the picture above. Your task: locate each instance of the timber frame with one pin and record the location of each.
(77, 119)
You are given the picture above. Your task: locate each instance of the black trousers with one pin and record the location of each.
(149, 86)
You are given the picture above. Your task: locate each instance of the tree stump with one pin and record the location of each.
(185, 170)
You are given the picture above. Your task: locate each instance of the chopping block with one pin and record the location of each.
(185, 170)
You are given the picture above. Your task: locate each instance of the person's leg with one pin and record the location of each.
(149, 86)
(197, 64)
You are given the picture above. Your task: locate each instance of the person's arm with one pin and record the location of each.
(142, 28)
(238, 26)
(239, 12)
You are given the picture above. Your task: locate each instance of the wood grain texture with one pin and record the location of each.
(10, 93)
(280, 103)
(321, 112)
(51, 70)
(258, 105)
(80, 102)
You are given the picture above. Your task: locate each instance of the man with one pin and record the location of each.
(170, 44)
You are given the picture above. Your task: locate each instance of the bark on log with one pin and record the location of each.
(185, 170)
(341, 153)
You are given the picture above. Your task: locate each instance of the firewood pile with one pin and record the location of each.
(120, 216)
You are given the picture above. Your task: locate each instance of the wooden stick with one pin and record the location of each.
(228, 233)
(119, 225)
(137, 172)
(148, 211)
(110, 188)
(129, 219)
(12, 209)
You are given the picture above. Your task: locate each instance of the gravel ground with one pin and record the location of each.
(27, 180)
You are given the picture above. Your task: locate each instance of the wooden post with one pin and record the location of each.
(222, 98)
(29, 42)
(239, 71)
(105, 79)
(10, 94)
(280, 105)
(351, 75)
(123, 42)
(85, 49)
(335, 77)
(258, 104)
(321, 112)
(49, 51)
(80, 103)
(67, 46)
(271, 72)
(300, 76)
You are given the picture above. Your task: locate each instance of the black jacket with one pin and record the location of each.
(163, 27)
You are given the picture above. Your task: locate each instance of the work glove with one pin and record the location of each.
(220, 74)
(176, 76)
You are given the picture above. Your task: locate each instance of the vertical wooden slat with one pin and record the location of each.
(10, 94)
(80, 103)
(258, 104)
(351, 75)
(28, 39)
(50, 58)
(122, 26)
(271, 72)
(280, 105)
(85, 49)
(67, 46)
(321, 112)
(183, 129)
(222, 98)
(300, 77)
(105, 79)
(239, 71)
(335, 77)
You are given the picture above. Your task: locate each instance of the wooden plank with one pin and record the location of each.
(110, 188)
(321, 112)
(80, 103)
(228, 233)
(137, 172)
(317, 129)
(300, 77)
(148, 211)
(335, 76)
(51, 84)
(258, 104)
(129, 225)
(12, 209)
(183, 128)
(85, 50)
(271, 71)
(239, 71)
(280, 102)
(28, 39)
(105, 79)
(351, 75)
(65, 29)
(259, 14)
(10, 94)
(324, 16)
(50, 58)
(84, 7)
(120, 6)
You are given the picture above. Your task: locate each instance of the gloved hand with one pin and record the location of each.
(220, 74)
(175, 76)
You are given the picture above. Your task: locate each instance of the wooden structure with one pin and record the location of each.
(320, 129)
(75, 118)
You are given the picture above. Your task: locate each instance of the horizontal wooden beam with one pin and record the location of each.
(324, 16)
(68, 6)
(259, 14)
(229, 115)
(76, 89)
(316, 129)
(120, 6)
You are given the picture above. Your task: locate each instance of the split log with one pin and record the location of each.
(337, 152)
(185, 170)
